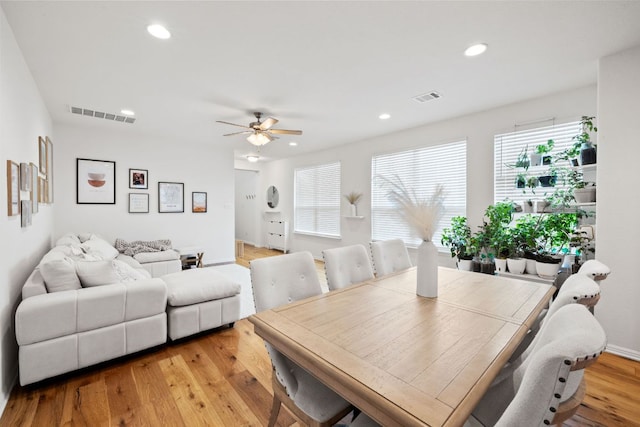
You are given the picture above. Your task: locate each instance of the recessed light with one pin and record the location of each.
(293, 144)
(159, 31)
(476, 49)
(128, 112)
(253, 159)
(384, 116)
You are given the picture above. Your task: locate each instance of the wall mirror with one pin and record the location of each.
(272, 196)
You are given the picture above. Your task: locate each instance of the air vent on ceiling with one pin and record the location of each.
(101, 115)
(427, 96)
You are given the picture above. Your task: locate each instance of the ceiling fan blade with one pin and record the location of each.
(268, 123)
(237, 133)
(285, 131)
(233, 124)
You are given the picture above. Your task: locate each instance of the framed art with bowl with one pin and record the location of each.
(95, 181)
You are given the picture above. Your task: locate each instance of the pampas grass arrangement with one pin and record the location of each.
(353, 197)
(422, 214)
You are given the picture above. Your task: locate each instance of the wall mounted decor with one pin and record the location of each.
(34, 187)
(25, 212)
(25, 177)
(198, 202)
(50, 170)
(42, 188)
(13, 188)
(95, 182)
(42, 153)
(139, 178)
(138, 203)
(170, 197)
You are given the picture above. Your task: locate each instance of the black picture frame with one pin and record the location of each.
(138, 203)
(95, 182)
(139, 179)
(170, 197)
(199, 202)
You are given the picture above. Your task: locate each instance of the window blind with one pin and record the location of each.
(317, 200)
(421, 170)
(507, 148)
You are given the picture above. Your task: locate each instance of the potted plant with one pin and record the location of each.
(528, 206)
(522, 161)
(526, 233)
(496, 218)
(542, 154)
(554, 234)
(588, 154)
(460, 242)
(521, 180)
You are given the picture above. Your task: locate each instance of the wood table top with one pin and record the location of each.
(404, 359)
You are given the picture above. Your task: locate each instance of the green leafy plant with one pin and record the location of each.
(555, 233)
(496, 218)
(458, 239)
(587, 127)
(522, 161)
(545, 148)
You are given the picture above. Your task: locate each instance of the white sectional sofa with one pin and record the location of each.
(85, 303)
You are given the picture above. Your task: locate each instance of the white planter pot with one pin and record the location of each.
(531, 267)
(516, 265)
(585, 195)
(547, 271)
(526, 207)
(427, 281)
(536, 159)
(501, 265)
(464, 264)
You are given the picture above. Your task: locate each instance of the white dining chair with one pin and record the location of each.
(346, 266)
(277, 281)
(389, 256)
(549, 386)
(595, 269)
(577, 289)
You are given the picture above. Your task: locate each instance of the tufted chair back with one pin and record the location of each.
(595, 269)
(389, 256)
(548, 386)
(277, 281)
(346, 266)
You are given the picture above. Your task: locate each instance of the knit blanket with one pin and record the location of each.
(139, 246)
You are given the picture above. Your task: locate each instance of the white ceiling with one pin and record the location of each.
(328, 68)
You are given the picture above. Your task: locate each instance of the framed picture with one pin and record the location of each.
(95, 182)
(49, 170)
(13, 188)
(170, 197)
(35, 185)
(41, 189)
(25, 177)
(138, 203)
(42, 153)
(25, 211)
(198, 202)
(139, 178)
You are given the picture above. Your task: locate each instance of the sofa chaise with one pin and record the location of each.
(86, 303)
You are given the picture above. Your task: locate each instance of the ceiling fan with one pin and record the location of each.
(261, 132)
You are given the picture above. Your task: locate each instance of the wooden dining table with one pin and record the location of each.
(403, 359)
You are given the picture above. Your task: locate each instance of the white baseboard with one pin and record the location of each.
(624, 352)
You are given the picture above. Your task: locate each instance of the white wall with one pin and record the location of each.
(23, 117)
(618, 204)
(246, 206)
(201, 167)
(479, 130)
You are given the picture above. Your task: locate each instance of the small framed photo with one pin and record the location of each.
(198, 202)
(25, 212)
(35, 185)
(95, 182)
(138, 203)
(25, 177)
(42, 153)
(13, 188)
(42, 189)
(170, 197)
(139, 179)
(49, 170)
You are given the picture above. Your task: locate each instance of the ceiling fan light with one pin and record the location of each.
(253, 159)
(259, 138)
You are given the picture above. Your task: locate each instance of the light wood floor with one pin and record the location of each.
(223, 378)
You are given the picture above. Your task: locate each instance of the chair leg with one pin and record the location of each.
(275, 410)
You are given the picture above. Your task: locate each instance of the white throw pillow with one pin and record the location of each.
(126, 273)
(59, 274)
(68, 240)
(101, 247)
(96, 273)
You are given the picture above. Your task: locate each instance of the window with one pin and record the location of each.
(317, 200)
(421, 170)
(507, 148)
